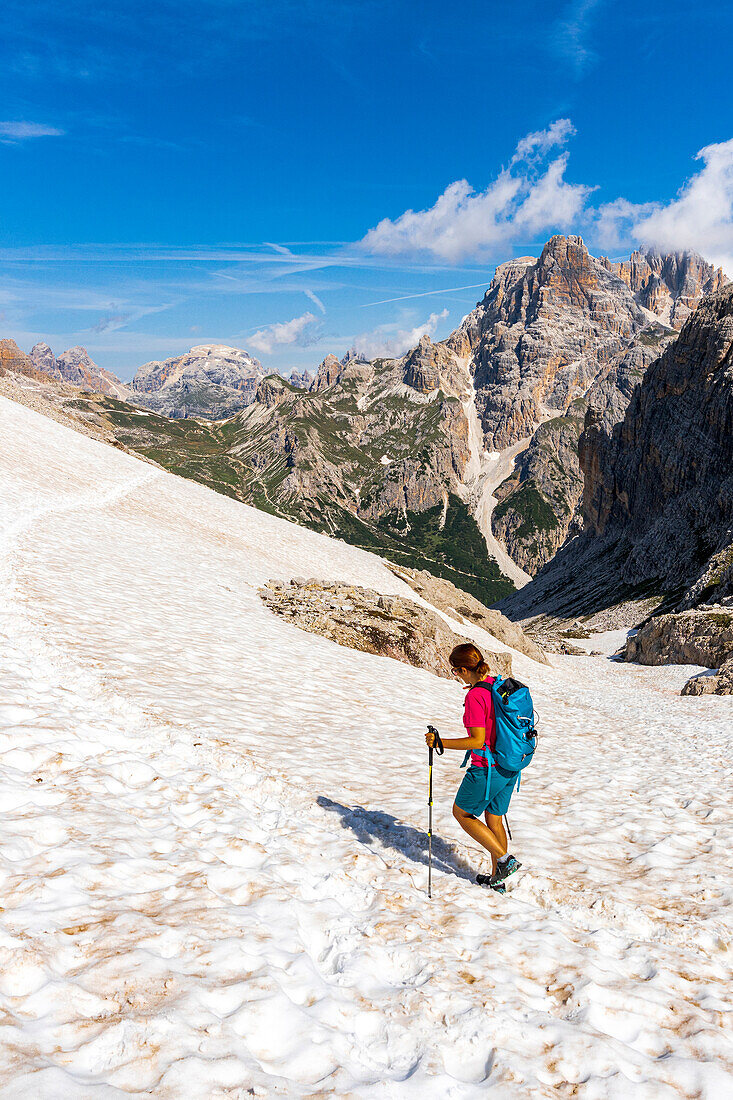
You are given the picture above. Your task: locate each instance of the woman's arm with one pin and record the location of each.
(475, 740)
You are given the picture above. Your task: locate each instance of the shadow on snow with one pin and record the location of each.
(371, 825)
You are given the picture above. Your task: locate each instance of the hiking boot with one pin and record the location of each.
(506, 868)
(485, 880)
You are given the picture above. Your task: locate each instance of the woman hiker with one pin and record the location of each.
(486, 789)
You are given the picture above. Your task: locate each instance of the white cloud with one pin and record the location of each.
(614, 222)
(531, 198)
(699, 218)
(557, 133)
(20, 131)
(265, 340)
(523, 200)
(392, 340)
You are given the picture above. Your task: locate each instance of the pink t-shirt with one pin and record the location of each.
(478, 710)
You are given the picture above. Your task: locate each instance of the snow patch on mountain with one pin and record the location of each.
(213, 863)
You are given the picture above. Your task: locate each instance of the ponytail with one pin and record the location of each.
(468, 656)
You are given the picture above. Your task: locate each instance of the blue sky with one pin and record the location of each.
(242, 172)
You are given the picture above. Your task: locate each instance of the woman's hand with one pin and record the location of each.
(475, 740)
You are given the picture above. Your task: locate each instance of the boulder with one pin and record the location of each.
(700, 637)
(719, 683)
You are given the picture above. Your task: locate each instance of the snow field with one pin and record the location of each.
(213, 849)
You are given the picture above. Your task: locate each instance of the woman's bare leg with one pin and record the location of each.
(496, 825)
(480, 832)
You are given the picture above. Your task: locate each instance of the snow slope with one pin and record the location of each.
(484, 473)
(213, 846)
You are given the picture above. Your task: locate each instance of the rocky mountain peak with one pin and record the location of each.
(15, 361)
(10, 350)
(563, 249)
(74, 366)
(44, 359)
(302, 379)
(77, 367)
(77, 357)
(658, 493)
(328, 373)
(353, 355)
(272, 390)
(212, 381)
(541, 334)
(669, 285)
(430, 367)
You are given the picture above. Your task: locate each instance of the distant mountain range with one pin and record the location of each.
(446, 457)
(211, 380)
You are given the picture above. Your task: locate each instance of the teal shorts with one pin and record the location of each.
(473, 797)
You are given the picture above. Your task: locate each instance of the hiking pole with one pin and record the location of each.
(438, 747)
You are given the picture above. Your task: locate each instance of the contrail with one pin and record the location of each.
(314, 298)
(425, 294)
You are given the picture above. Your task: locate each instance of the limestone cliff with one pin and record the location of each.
(376, 452)
(658, 500)
(448, 454)
(672, 285)
(539, 501)
(541, 335)
(544, 333)
(15, 361)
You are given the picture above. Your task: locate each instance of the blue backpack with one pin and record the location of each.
(516, 736)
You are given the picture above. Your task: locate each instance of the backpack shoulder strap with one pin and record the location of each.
(486, 684)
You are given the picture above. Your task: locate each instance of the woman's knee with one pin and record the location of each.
(461, 816)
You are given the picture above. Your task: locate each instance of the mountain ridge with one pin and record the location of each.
(657, 507)
(400, 454)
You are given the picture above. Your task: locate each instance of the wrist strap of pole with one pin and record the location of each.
(438, 745)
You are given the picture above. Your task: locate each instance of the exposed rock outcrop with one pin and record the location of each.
(700, 637)
(718, 683)
(453, 601)
(430, 367)
(367, 455)
(545, 331)
(15, 361)
(272, 390)
(327, 373)
(361, 618)
(667, 483)
(45, 360)
(400, 455)
(607, 401)
(212, 381)
(539, 501)
(302, 379)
